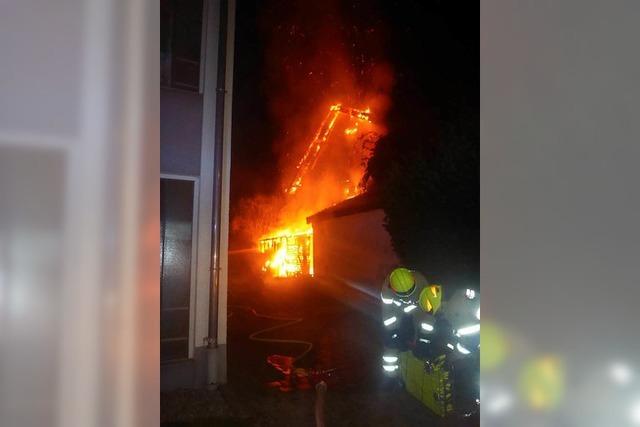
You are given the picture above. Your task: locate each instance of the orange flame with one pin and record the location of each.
(289, 249)
(291, 252)
(310, 157)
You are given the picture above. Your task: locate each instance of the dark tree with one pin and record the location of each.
(429, 188)
(426, 169)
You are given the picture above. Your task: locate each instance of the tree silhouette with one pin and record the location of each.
(427, 177)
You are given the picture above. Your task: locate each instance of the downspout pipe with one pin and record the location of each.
(220, 220)
(217, 182)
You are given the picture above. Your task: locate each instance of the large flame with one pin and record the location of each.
(289, 249)
(291, 252)
(310, 156)
(328, 87)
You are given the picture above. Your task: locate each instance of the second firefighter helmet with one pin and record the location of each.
(402, 282)
(430, 298)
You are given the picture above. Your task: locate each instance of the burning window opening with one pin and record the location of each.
(289, 251)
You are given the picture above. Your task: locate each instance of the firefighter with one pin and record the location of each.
(399, 297)
(429, 323)
(447, 326)
(462, 311)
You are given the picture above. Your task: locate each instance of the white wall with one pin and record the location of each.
(354, 247)
(180, 132)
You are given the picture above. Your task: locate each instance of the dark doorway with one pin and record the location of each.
(176, 255)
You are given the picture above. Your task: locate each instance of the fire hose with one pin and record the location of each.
(289, 321)
(300, 378)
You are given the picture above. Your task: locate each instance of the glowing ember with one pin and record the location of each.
(290, 253)
(351, 131)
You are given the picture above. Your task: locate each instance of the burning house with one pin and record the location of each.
(329, 171)
(327, 86)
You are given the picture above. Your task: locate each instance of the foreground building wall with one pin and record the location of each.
(195, 137)
(79, 205)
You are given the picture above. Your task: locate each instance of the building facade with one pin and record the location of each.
(195, 103)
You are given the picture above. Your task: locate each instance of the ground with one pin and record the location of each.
(343, 325)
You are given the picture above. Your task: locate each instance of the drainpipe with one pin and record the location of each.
(216, 343)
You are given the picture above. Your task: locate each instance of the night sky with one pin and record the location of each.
(431, 46)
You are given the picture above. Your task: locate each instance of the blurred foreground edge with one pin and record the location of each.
(79, 177)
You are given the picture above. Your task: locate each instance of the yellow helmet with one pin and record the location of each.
(402, 282)
(430, 298)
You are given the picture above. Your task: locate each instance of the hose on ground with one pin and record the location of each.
(289, 321)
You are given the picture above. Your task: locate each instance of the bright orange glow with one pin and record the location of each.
(352, 130)
(310, 157)
(290, 252)
(330, 170)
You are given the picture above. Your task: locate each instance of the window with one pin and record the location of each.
(180, 43)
